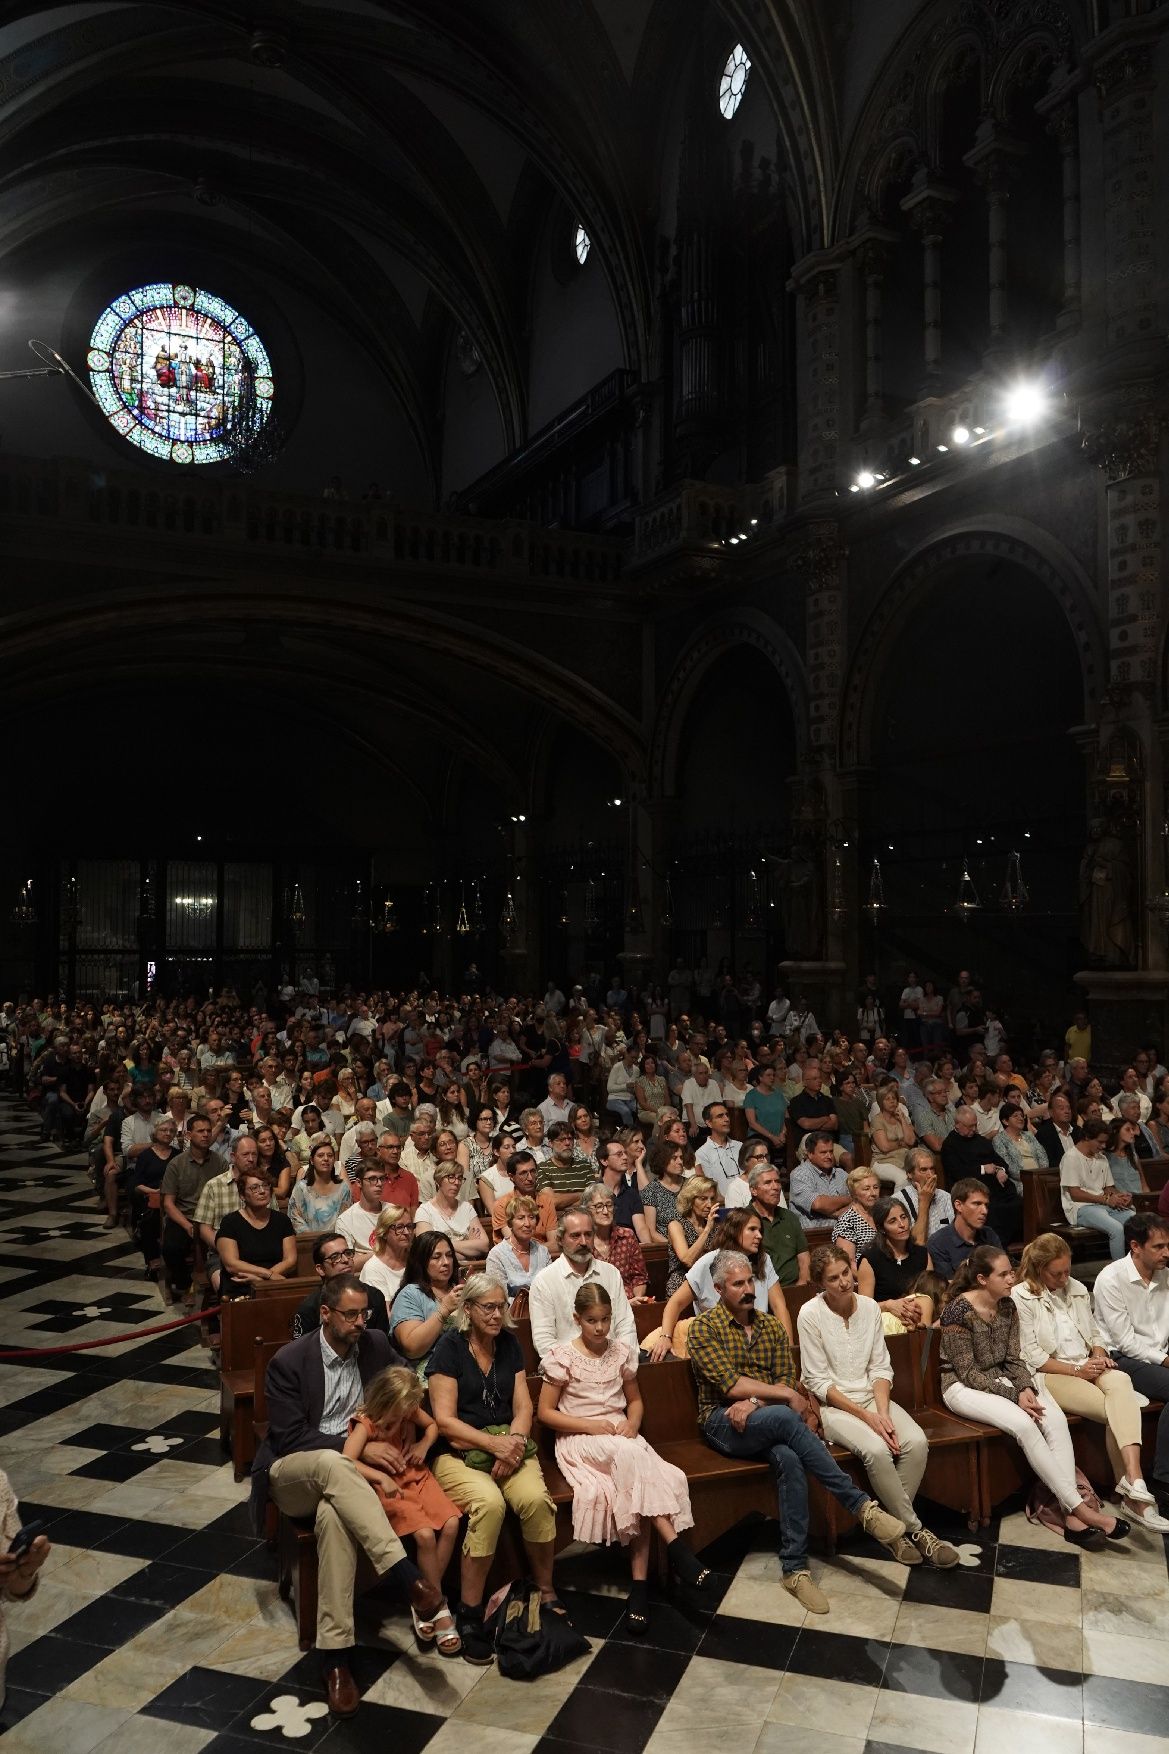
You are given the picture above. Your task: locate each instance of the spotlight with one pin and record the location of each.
(943, 447)
(866, 479)
(734, 541)
(914, 461)
(1025, 404)
(960, 435)
(754, 520)
(742, 535)
(979, 431)
(854, 488)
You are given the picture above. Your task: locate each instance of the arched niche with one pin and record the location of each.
(971, 676)
(736, 748)
(779, 685)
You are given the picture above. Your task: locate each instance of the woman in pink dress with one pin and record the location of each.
(621, 1488)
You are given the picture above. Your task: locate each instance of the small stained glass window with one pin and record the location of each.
(733, 83)
(584, 244)
(168, 365)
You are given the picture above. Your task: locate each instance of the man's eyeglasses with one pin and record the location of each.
(338, 1255)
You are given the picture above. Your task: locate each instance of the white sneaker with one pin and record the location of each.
(1152, 1520)
(1134, 1490)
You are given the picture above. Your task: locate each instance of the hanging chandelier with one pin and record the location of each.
(462, 923)
(296, 913)
(25, 913)
(477, 907)
(250, 434)
(836, 908)
(507, 918)
(388, 922)
(668, 903)
(876, 901)
(1014, 895)
(967, 902)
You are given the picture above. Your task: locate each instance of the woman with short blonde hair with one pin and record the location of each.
(1060, 1342)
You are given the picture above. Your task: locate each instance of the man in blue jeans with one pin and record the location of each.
(749, 1404)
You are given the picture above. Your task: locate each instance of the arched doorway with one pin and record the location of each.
(973, 693)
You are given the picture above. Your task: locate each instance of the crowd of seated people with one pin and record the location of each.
(462, 1164)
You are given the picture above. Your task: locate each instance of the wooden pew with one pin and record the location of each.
(1043, 1212)
(242, 1322)
(657, 1268)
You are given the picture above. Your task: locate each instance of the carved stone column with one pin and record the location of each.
(1123, 66)
(1061, 107)
(816, 281)
(930, 206)
(871, 247)
(819, 561)
(994, 158)
(1128, 450)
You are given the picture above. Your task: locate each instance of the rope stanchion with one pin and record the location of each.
(200, 1315)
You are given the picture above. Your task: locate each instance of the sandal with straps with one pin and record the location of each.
(449, 1643)
(425, 1630)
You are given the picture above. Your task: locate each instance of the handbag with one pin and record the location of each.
(483, 1460)
(530, 1639)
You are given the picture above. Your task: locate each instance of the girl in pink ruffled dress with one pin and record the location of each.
(621, 1489)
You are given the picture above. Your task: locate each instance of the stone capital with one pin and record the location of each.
(1125, 445)
(930, 204)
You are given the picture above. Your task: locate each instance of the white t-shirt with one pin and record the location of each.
(700, 1095)
(457, 1223)
(1077, 1171)
(387, 1279)
(357, 1225)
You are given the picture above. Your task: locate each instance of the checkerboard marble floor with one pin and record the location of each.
(157, 1623)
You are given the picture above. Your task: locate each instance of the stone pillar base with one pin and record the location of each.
(1127, 1008)
(823, 985)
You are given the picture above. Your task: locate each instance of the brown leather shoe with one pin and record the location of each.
(425, 1599)
(341, 1689)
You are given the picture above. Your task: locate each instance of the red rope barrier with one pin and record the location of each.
(113, 1339)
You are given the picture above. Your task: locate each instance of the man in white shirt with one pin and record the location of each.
(719, 1157)
(699, 1090)
(556, 1106)
(553, 1290)
(778, 1013)
(1132, 1312)
(619, 1098)
(357, 1222)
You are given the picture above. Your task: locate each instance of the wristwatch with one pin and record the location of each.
(752, 1400)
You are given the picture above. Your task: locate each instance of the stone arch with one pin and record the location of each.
(748, 627)
(1011, 539)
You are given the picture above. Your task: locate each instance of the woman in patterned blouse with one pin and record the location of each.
(854, 1230)
(614, 1243)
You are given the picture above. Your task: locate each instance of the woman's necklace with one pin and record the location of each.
(490, 1385)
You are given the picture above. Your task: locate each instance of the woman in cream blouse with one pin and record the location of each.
(1058, 1336)
(845, 1363)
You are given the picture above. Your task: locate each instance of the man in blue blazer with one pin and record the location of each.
(314, 1386)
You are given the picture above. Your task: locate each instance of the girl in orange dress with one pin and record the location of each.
(413, 1500)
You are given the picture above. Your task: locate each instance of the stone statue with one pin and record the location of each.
(1106, 901)
(803, 915)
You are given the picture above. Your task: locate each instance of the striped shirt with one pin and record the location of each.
(342, 1389)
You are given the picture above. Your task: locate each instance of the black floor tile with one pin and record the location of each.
(749, 1536)
(215, 1551)
(119, 1465)
(53, 1399)
(1023, 1687)
(1037, 1565)
(641, 1670)
(18, 1703)
(594, 1616)
(838, 1656)
(596, 1719)
(104, 1436)
(31, 1511)
(189, 1425)
(937, 1674)
(733, 1640)
(958, 1588)
(49, 1664)
(258, 1562)
(208, 1698)
(144, 1540)
(162, 1583)
(236, 1521)
(378, 1729)
(108, 1622)
(206, 1450)
(1125, 1705)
